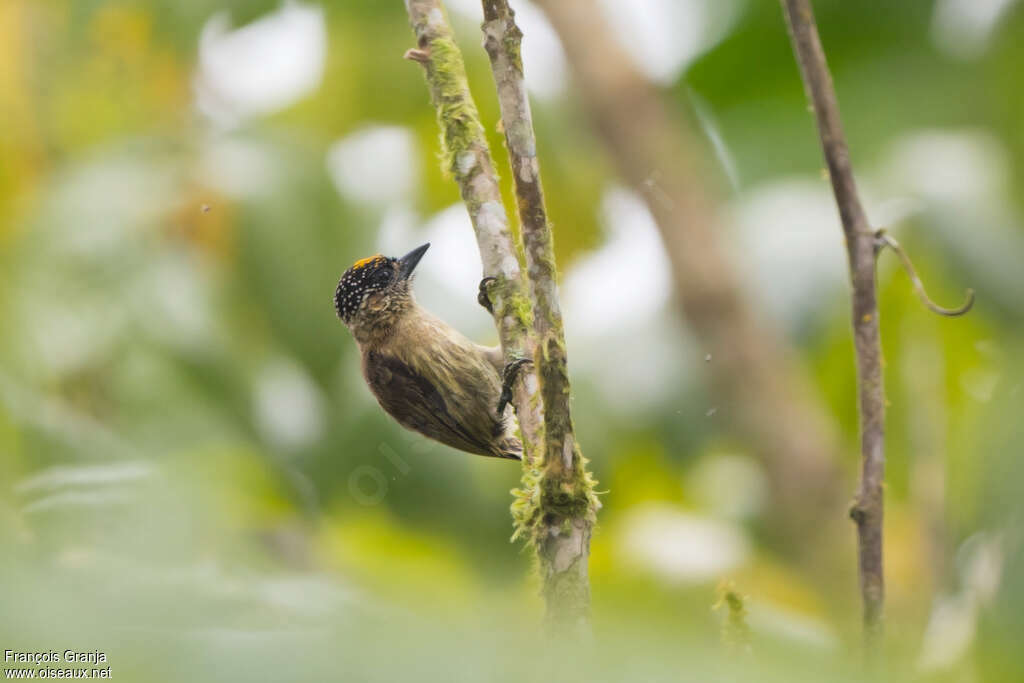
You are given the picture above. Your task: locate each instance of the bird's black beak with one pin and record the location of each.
(407, 263)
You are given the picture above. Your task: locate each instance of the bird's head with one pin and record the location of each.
(374, 291)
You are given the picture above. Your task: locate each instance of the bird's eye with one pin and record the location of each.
(381, 277)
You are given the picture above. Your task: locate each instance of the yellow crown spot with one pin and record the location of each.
(362, 263)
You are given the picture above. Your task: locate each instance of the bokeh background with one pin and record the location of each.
(195, 481)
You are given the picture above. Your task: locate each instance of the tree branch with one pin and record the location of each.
(759, 385)
(561, 522)
(467, 157)
(860, 246)
(555, 509)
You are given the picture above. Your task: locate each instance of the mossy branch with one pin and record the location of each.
(557, 507)
(554, 511)
(466, 156)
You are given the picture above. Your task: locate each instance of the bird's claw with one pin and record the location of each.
(508, 379)
(483, 297)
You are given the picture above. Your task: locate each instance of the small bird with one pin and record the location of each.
(425, 374)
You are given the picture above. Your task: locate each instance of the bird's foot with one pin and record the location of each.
(483, 297)
(508, 380)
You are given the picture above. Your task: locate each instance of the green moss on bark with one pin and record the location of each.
(457, 116)
(517, 305)
(556, 506)
(512, 44)
(545, 502)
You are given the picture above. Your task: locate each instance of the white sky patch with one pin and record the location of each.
(543, 57)
(963, 28)
(287, 405)
(948, 166)
(627, 279)
(237, 167)
(614, 301)
(679, 547)
(635, 370)
(665, 36)
(953, 624)
(470, 9)
(261, 67)
(950, 632)
(448, 277)
(451, 273)
(396, 234)
(377, 164)
(791, 244)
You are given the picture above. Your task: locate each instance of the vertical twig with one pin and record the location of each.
(860, 246)
(560, 525)
(468, 159)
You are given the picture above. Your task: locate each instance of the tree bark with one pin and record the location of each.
(555, 509)
(567, 506)
(861, 245)
(468, 159)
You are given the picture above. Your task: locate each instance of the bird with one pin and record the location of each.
(425, 374)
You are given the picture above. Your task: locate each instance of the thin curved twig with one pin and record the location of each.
(884, 239)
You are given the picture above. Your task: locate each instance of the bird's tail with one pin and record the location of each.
(509, 448)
